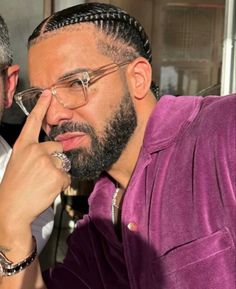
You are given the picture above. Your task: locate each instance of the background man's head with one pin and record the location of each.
(8, 72)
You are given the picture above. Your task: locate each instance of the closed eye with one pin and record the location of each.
(74, 83)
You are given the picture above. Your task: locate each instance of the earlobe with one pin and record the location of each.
(139, 77)
(10, 84)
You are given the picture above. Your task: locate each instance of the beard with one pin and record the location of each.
(89, 163)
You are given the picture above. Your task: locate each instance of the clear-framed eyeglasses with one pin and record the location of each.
(71, 91)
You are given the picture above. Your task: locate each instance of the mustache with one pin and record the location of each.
(70, 127)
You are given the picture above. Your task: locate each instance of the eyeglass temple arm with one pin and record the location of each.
(22, 106)
(106, 69)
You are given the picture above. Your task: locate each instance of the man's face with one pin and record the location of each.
(94, 135)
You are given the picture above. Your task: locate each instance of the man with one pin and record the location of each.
(42, 226)
(162, 213)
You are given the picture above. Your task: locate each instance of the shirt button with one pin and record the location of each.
(132, 227)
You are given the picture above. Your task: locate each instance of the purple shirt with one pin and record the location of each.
(178, 214)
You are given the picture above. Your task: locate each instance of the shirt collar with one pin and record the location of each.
(170, 115)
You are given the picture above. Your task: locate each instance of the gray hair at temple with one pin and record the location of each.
(126, 38)
(6, 57)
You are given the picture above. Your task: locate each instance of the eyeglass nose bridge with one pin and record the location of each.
(85, 85)
(53, 91)
(54, 94)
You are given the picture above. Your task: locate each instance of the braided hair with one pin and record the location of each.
(112, 20)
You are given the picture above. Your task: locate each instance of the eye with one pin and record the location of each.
(75, 83)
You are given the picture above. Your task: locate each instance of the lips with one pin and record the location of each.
(71, 140)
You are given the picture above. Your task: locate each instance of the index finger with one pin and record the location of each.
(31, 129)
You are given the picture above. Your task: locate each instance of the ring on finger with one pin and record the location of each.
(66, 164)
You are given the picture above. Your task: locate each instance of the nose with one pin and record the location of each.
(57, 113)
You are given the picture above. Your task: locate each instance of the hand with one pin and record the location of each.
(33, 177)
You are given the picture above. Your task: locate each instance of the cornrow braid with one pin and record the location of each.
(110, 19)
(94, 12)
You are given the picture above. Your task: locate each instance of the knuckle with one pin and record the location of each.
(35, 150)
(18, 144)
(42, 162)
(55, 173)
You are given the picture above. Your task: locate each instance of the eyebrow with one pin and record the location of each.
(72, 72)
(65, 75)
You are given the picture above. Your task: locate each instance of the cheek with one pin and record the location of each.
(103, 103)
(98, 115)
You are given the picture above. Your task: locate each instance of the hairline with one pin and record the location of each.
(105, 42)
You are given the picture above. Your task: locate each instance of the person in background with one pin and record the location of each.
(42, 226)
(162, 212)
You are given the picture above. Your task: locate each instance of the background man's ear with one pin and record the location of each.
(10, 84)
(140, 76)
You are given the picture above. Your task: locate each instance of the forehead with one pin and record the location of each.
(63, 51)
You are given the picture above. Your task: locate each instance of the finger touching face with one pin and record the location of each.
(31, 130)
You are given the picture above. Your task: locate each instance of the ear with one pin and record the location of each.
(10, 84)
(139, 78)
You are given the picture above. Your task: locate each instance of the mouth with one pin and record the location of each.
(72, 140)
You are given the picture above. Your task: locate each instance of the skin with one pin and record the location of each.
(7, 87)
(31, 163)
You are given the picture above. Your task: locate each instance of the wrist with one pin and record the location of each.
(9, 267)
(16, 243)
